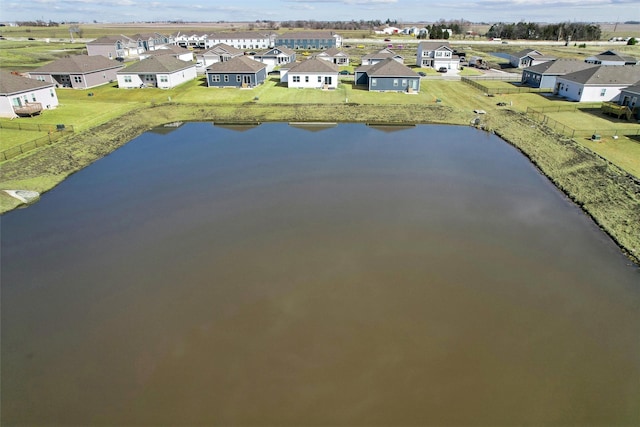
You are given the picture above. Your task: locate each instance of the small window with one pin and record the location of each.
(226, 77)
(127, 79)
(33, 97)
(53, 94)
(77, 79)
(296, 79)
(164, 79)
(404, 82)
(603, 92)
(395, 82)
(306, 79)
(319, 79)
(374, 82)
(215, 78)
(238, 79)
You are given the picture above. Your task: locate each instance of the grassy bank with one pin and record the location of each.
(607, 193)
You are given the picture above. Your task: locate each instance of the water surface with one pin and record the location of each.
(345, 276)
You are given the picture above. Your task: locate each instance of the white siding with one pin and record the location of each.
(315, 81)
(45, 96)
(578, 92)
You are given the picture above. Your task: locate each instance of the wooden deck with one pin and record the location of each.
(29, 109)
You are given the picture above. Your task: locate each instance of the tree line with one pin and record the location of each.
(531, 31)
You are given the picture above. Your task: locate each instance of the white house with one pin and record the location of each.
(174, 50)
(23, 96)
(335, 56)
(312, 73)
(381, 55)
(437, 54)
(603, 83)
(218, 53)
(248, 40)
(163, 72)
(276, 57)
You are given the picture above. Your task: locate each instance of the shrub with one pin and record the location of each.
(632, 41)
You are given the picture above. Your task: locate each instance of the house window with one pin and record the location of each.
(374, 82)
(319, 79)
(306, 79)
(238, 79)
(33, 97)
(164, 79)
(127, 79)
(226, 77)
(296, 79)
(395, 82)
(41, 78)
(404, 82)
(603, 92)
(77, 79)
(53, 94)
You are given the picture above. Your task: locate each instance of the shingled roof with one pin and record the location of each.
(112, 39)
(77, 64)
(388, 68)
(560, 67)
(604, 75)
(11, 84)
(239, 64)
(314, 65)
(157, 64)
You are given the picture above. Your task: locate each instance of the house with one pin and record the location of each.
(162, 71)
(173, 50)
(218, 53)
(437, 54)
(519, 59)
(335, 56)
(599, 83)
(78, 71)
(544, 75)
(240, 71)
(311, 73)
(388, 75)
(276, 57)
(192, 39)
(22, 96)
(381, 55)
(247, 40)
(611, 57)
(531, 60)
(114, 47)
(388, 30)
(152, 41)
(313, 40)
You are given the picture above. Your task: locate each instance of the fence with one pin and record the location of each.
(539, 115)
(475, 82)
(42, 127)
(51, 137)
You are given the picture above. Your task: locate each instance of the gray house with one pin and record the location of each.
(630, 97)
(276, 57)
(544, 75)
(611, 57)
(113, 47)
(241, 71)
(78, 72)
(219, 53)
(519, 59)
(313, 40)
(388, 75)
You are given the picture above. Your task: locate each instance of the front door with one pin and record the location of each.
(327, 80)
(246, 80)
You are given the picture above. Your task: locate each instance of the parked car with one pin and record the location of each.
(387, 40)
(422, 73)
(442, 69)
(344, 72)
(30, 38)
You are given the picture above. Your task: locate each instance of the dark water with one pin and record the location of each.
(349, 276)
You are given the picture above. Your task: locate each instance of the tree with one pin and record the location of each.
(632, 41)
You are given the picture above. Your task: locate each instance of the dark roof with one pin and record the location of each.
(314, 65)
(612, 55)
(559, 67)
(282, 49)
(12, 83)
(604, 75)
(634, 89)
(239, 64)
(78, 64)
(157, 64)
(169, 49)
(388, 68)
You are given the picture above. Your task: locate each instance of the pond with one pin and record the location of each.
(281, 275)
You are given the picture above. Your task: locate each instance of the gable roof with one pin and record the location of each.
(559, 67)
(157, 64)
(237, 35)
(388, 68)
(604, 75)
(169, 49)
(383, 54)
(224, 48)
(434, 45)
(282, 49)
(11, 83)
(332, 52)
(314, 65)
(78, 64)
(526, 52)
(238, 64)
(112, 40)
(612, 55)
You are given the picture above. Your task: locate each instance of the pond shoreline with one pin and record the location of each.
(609, 195)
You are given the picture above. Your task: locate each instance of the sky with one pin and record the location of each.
(321, 10)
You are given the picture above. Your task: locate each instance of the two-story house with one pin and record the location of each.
(436, 55)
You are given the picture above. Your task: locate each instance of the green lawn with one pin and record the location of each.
(27, 55)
